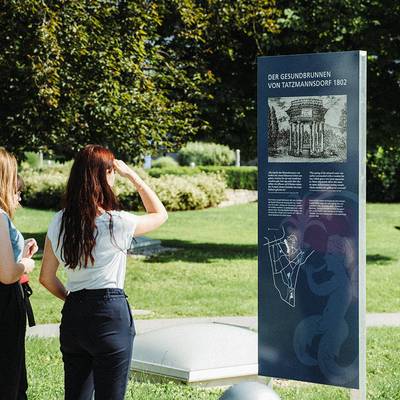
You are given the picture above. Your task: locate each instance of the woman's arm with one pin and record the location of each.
(10, 271)
(156, 212)
(48, 272)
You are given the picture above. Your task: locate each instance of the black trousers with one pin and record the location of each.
(96, 337)
(13, 382)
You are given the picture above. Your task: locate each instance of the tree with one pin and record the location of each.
(92, 72)
(222, 39)
(225, 38)
(274, 132)
(338, 25)
(270, 134)
(144, 75)
(343, 122)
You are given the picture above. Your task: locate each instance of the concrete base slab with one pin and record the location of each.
(205, 354)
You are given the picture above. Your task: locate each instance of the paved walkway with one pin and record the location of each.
(146, 325)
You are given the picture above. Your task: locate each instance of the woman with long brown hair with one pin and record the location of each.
(90, 236)
(15, 260)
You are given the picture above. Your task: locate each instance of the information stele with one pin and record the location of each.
(311, 217)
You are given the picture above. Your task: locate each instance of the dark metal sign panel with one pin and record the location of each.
(311, 153)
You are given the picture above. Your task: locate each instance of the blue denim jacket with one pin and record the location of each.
(16, 238)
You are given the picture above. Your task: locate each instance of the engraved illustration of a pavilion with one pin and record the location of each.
(307, 127)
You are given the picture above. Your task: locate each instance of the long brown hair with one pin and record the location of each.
(8, 182)
(87, 190)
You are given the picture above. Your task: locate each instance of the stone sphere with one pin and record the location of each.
(250, 391)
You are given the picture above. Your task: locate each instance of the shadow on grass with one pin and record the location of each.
(204, 252)
(378, 259)
(187, 251)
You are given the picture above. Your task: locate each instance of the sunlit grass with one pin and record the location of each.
(45, 373)
(214, 270)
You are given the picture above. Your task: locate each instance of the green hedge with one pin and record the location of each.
(165, 162)
(189, 192)
(235, 177)
(45, 185)
(203, 153)
(177, 171)
(45, 188)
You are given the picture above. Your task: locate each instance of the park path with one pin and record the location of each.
(147, 325)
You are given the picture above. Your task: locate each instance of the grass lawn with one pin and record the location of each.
(383, 366)
(383, 258)
(214, 273)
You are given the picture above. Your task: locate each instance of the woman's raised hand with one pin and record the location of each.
(122, 169)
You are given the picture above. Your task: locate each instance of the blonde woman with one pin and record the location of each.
(15, 260)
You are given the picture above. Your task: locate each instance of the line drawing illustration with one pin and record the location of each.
(286, 258)
(307, 129)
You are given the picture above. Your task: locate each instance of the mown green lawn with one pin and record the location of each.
(383, 369)
(383, 258)
(214, 272)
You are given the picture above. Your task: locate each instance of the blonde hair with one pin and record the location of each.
(8, 182)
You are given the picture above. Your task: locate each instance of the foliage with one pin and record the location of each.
(232, 34)
(383, 171)
(202, 153)
(235, 177)
(179, 171)
(273, 130)
(191, 193)
(145, 75)
(52, 167)
(32, 159)
(229, 37)
(93, 72)
(164, 162)
(45, 188)
(338, 25)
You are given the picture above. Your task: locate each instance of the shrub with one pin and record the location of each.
(177, 193)
(383, 172)
(32, 159)
(165, 162)
(44, 189)
(46, 168)
(235, 177)
(206, 154)
(178, 171)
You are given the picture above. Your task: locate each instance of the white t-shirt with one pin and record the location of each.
(108, 270)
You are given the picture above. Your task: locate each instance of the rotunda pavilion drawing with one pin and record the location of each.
(307, 120)
(307, 129)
